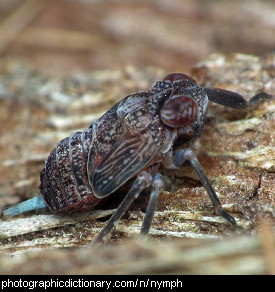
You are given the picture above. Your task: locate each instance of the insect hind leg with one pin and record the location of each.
(143, 180)
(157, 187)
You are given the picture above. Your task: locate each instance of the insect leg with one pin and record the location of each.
(157, 186)
(188, 155)
(142, 181)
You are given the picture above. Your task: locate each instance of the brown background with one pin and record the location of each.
(64, 36)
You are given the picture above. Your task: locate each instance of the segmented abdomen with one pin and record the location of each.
(64, 182)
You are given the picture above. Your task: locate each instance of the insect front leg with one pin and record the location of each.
(188, 155)
(142, 181)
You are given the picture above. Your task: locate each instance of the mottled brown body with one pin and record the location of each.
(92, 164)
(136, 134)
(64, 181)
(128, 144)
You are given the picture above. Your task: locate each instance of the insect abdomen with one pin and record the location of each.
(64, 182)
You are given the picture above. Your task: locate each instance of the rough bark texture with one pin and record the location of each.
(236, 151)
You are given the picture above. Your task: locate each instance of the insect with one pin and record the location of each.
(127, 144)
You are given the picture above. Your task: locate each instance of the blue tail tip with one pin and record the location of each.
(23, 207)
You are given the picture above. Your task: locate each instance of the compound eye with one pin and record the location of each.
(177, 77)
(179, 111)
